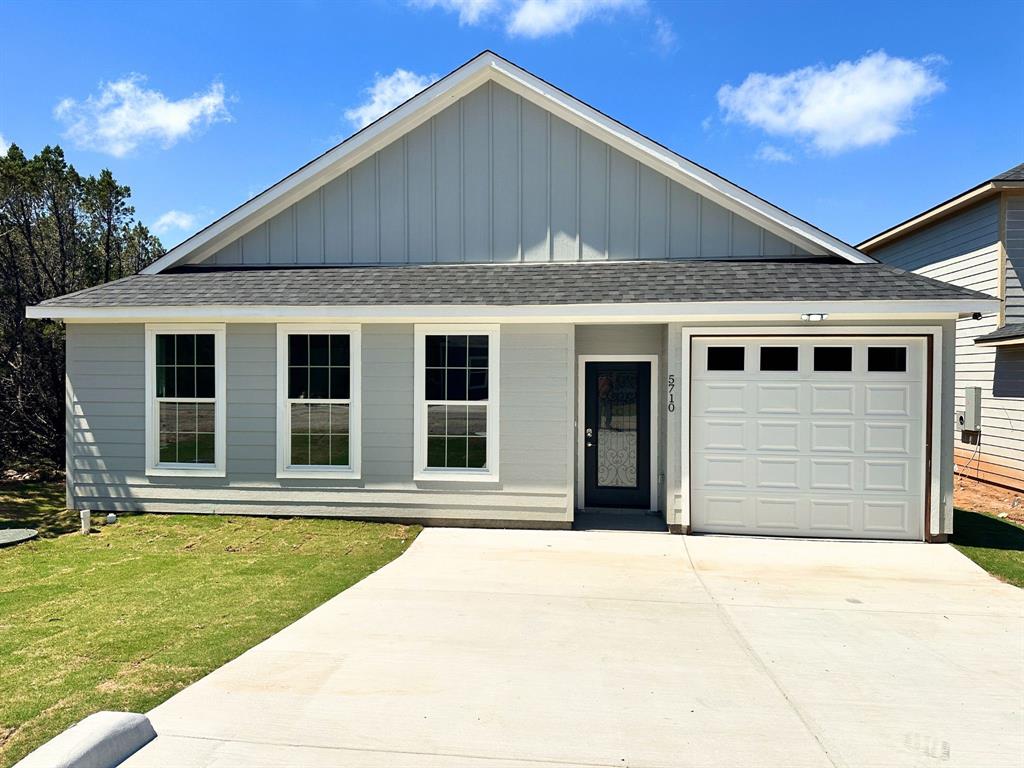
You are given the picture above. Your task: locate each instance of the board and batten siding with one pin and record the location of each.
(106, 439)
(964, 249)
(494, 178)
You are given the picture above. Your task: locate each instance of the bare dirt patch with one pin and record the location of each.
(976, 496)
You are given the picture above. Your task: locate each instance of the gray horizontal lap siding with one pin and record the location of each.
(107, 432)
(495, 178)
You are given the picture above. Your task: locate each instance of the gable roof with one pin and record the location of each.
(488, 66)
(668, 285)
(1011, 179)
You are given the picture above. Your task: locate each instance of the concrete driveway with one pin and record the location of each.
(507, 649)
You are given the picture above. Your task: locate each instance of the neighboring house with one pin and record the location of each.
(976, 240)
(497, 306)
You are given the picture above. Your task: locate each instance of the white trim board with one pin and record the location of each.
(581, 417)
(939, 512)
(579, 313)
(485, 67)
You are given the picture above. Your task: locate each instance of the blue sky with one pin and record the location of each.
(853, 116)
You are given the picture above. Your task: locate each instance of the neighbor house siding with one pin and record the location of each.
(1014, 258)
(105, 370)
(964, 250)
(495, 178)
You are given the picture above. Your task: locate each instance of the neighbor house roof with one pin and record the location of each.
(1008, 334)
(1011, 179)
(485, 67)
(506, 285)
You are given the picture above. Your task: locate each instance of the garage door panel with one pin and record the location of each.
(832, 475)
(778, 473)
(885, 516)
(832, 516)
(778, 399)
(807, 452)
(832, 399)
(715, 398)
(887, 400)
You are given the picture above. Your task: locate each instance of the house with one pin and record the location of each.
(497, 306)
(976, 240)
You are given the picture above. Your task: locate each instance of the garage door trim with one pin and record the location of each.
(932, 381)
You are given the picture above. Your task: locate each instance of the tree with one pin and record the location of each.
(59, 232)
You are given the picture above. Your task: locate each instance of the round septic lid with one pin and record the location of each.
(10, 536)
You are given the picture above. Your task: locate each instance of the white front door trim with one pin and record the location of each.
(581, 415)
(939, 511)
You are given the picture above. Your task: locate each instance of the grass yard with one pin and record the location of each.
(996, 545)
(126, 617)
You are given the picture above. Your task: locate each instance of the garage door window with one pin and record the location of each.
(779, 358)
(725, 358)
(833, 358)
(887, 359)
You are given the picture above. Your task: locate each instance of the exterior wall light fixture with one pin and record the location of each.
(813, 317)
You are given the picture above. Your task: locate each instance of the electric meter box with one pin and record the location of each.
(972, 409)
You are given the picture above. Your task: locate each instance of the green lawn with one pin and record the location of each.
(124, 618)
(996, 545)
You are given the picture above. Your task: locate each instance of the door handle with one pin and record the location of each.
(590, 445)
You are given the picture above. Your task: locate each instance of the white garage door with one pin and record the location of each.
(801, 436)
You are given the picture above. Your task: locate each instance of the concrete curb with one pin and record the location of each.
(102, 740)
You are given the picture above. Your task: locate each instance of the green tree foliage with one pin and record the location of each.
(59, 232)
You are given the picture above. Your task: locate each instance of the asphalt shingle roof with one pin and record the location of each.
(511, 284)
(1014, 174)
(1006, 333)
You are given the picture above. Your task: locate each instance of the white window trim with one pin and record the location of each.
(420, 470)
(154, 467)
(355, 421)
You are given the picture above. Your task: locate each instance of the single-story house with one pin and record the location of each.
(976, 240)
(497, 305)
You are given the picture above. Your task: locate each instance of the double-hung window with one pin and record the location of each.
(318, 393)
(456, 390)
(185, 394)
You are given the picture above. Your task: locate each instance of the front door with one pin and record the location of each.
(617, 435)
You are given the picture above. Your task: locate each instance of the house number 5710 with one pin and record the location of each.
(671, 392)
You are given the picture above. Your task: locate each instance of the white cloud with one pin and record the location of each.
(853, 104)
(124, 115)
(664, 35)
(772, 154)
(4, 146)
(545, 18)
(470, 11)
(386, 93)
(173, 221)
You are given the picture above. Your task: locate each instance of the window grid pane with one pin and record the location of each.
(319, 369)
(456, 371)
(186, 432)
(186, 369)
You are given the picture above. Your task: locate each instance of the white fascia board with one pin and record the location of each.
(578, 313)
(426, 104)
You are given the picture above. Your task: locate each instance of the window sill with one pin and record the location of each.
(313, 473)
(183, 471)
(456, 476)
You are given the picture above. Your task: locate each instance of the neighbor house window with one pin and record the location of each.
(457, 402)
(185, 385)
(318, 400)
